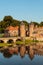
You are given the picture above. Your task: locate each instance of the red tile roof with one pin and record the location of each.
(12, 28)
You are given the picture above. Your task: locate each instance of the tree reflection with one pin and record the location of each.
(7, 54)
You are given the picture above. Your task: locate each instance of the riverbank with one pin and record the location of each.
(26, 43)
(3, 44)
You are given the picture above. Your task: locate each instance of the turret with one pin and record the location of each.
(31, 29)
(22, 30)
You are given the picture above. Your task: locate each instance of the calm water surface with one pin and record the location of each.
(23, 55)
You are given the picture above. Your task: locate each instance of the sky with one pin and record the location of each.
(29, 10)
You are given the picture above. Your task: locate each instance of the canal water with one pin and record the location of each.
(21, 55)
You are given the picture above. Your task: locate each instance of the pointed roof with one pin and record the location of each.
(22, 23)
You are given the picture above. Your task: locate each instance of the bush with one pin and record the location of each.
(1, 35)
(19, 42)
(35, 40)
(28, 41)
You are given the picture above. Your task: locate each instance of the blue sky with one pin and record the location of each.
(29, 10)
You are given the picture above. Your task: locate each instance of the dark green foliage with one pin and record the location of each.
(26, 23)
(8, 18)
(41, 24)
(35, 23)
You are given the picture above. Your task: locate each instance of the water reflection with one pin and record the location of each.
(31, 51)
(6, 53)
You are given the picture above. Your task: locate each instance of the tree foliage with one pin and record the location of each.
(41, 24)
(25, 22)
(8, 18)
(35, 23)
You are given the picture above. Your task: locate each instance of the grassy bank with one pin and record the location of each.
(4, 44)
(26, 42)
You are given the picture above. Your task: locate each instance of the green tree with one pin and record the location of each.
(41, 24)
(35, 23)
(25, 22)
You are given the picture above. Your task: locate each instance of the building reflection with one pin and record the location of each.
(22, 51)
(13, 50)
(31, 51)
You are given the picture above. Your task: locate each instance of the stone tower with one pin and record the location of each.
(22, 30)
(31, 29)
